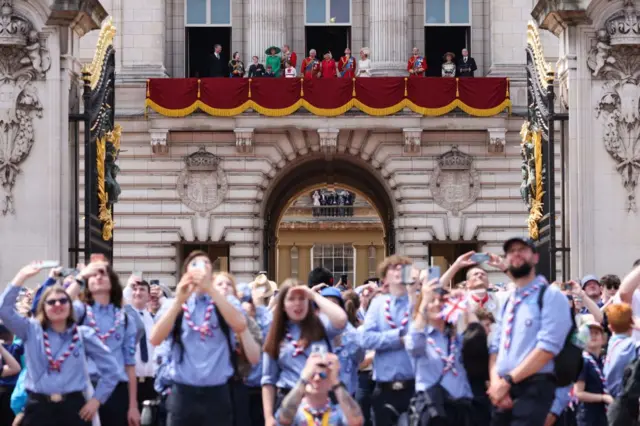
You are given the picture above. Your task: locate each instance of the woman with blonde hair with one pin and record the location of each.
(56, 353)
(364, 64)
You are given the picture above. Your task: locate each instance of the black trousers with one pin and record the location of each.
(6, 413)
(200, 406)
(389, 404)
(255, 404)
(366, 385)
(114, 411)
(240, 403)
(146, 392)
(567, 418)
(38, 411)
(532, 401)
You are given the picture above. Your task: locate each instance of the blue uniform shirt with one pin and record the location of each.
(391, 361)
(285, 371)
(164, 368)
(203, 362)
(16, 349)
(561, 400)
(71, 378)
(264, 318)
(592, 413)
(429, 366)
(621, 351)
(350, 355)
(122, 342)
(532, 329)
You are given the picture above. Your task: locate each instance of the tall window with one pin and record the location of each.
(372, 262)
(328, 12)
(337, 258)
(447, 12)
(207, 13)
(295, 262)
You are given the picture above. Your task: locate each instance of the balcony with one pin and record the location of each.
(278, 97)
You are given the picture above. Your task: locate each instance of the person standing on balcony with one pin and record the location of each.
(219, 67)
(329, 68)
(256, 69)
(449, 67)
(347, 65)
(236, 66)
(289, 70)
(273, 60)
(310, 67)
(364, 64)
(288, 56)
(466, 65)
(417, 64)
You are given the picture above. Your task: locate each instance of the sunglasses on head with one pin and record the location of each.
(62, 301)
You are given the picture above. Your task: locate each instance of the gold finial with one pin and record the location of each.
(545, 72)
(105, 40)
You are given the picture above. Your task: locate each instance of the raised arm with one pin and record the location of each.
(11, 367)
(629, 285)
(335, 314)
(251, 340)
(231, 312)
(15, 322)
(170, 310)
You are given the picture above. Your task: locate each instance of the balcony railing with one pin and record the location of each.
(332, 211)
(276, 97)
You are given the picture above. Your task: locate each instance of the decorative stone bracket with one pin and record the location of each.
(328, 139)
(244, 140)
(497, 139)
(159, 141)
(412, 140)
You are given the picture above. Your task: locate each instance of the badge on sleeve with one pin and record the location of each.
(118, 337)
(528, 322)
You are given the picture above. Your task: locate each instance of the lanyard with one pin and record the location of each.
(314, 421)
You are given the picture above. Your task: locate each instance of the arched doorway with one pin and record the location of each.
(315, 170)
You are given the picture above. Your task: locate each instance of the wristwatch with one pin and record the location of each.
(80, 281)
(507, 378)
(339, 385)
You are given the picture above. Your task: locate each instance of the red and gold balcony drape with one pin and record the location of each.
(277, 97)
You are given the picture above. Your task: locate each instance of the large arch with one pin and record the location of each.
(317, 169)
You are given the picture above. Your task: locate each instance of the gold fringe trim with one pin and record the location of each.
(508, 84)
(353, 93)
(380, 112)
(183, 112)
(219, 112)
(148, 88)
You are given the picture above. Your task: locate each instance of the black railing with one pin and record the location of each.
(333, 211)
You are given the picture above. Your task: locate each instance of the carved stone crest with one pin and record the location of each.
(455, 184)
(202, 185)
(616, 58)
(22, 61)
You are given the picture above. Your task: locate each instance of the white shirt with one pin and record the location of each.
(145, 369)
(364, 68)
(290, 72)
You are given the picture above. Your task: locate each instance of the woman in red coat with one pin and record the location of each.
(329, 68)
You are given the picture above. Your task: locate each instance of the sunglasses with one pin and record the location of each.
(612, 287)
(52, 302)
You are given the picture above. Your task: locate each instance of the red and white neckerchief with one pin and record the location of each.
(298, 349)
(448, 360)
(452, 310)
(480, 301)
(511, 315)
(119, 319)
(389, 318)
(320, 416)
(591, 360)
(205, 328)
(56, 365)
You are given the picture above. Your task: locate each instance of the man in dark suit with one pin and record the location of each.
(219, 67)
(466, 65)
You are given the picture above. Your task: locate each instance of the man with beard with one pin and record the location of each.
(525, 341)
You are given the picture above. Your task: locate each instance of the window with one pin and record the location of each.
(338, 258)
(328, 12)
(372, 262)
(447, 12)
(295, 262)
(207, 13)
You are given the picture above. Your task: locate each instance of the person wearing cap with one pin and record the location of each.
(591, 387)
(621, 350)
(385, 327)
(525, 341)
(592, 288)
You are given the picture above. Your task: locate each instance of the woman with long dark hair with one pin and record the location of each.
(56, 353)
(295, 328)
(200, 323)
(102, 310)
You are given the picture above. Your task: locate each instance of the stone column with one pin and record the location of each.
(304, 262)
(388, 32)
(267, 23)
(284, 262)
(362, 263)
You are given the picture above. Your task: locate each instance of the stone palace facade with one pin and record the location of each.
(440, 184)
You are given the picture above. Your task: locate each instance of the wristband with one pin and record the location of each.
(82, 282)
(339, 385)
(304, 381)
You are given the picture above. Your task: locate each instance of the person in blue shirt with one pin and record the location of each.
(56, 353)
(621, 350)
(561, 412)
(10, 353)
(385, 327)
(295, 329)
(525, 341)
(103, 311)
(200, 323)
(308, 403)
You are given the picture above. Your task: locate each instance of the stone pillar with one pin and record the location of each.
(362, 263)
(388, 37)
(304, 262)
(267, 23)
(284, 262)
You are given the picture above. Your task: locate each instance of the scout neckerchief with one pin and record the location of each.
(317, 417)
(480, 301)
(205, 328)
(389, 318)
(119, 319)
(514, 302)
(448, 359)
(56, 365)
(298, 349)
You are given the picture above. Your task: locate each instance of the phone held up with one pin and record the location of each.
(479, 258)
(407, 278)
(49, 264)
(320, 349)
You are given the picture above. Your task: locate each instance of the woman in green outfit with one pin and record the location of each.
(273, 59)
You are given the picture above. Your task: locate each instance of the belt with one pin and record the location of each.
(397, 385)
(145, 379)
(55, 397)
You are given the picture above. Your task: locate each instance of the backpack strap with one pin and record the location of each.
(227, 333)
(541, 297)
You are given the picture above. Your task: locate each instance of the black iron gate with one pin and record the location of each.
(538, 155)
(101, 148)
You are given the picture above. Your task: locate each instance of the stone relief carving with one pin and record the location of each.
(202, 185)
(22, 61)
(455, 183)
(616, 59)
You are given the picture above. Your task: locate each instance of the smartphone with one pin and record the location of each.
(407, 272)
(49, 264)
(480, 257)
(567, 286)
(434, 273)
(68, 271)
(198, 265)
(345, 279)
(154, 282)
(320, 349)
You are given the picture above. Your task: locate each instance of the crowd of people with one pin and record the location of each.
(412, 347)
(283, 63)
